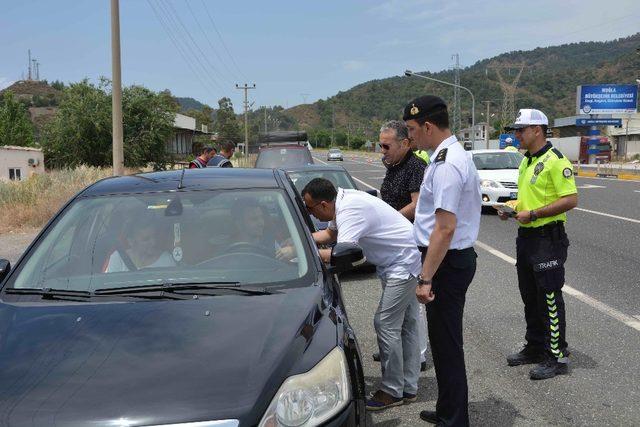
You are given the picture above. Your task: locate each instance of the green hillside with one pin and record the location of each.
(548, 82)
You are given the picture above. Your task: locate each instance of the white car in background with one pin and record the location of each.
(334, 154)
(498, 171)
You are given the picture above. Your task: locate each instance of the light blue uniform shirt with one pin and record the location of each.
(450, 183)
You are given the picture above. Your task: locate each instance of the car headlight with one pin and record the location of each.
(313, 397)
(490, 183)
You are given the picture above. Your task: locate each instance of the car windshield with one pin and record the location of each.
(249, 237)
(279, 157)
(497, 160)
(334, 150)
(337, 178)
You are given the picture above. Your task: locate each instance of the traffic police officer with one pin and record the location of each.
(546, 191)
(446, 226)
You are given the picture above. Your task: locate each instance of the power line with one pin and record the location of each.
(188, 33)
(180, 50)
(222, 40)
(215, 51)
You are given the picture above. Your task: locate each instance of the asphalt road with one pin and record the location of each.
(602, 296)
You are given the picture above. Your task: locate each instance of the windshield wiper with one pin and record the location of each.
(173, 287)
(49, 293)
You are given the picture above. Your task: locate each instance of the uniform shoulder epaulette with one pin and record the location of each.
(558, 153)
(442, 155)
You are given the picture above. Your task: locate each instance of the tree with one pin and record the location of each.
(227, 123)
(148, 125)
(15, 126)
(81, 132)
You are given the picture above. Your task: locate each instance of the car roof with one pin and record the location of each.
(287, 146)
(314, 167)
(489, 151)
(193, 179)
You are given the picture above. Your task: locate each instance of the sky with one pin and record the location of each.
(294, 51)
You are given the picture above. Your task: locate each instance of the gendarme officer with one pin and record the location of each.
(446, 226)
(546, 191)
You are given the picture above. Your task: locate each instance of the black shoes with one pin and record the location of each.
(423, 365)
(429, 416)
(526, 356)
(549, 369)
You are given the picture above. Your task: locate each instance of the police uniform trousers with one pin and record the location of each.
(444, 322)
(541, 254)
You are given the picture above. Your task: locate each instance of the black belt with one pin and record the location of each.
(451, 252)
(542, 231)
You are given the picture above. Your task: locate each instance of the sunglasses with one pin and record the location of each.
(310, 207)
(384, 146)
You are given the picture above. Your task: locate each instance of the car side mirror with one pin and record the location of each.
(5, 268)
(346, 256)
(373, 192)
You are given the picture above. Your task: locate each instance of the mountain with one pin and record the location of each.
(548, 82)
(187, 104)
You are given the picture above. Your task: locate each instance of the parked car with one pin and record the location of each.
(498, 171)
(162, 298)
(278, 156)
(302, 175)
(334, 154)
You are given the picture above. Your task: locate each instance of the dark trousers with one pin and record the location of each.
(541, 254)
(444, 321)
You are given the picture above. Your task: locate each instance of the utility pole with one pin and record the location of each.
(488, 117)
(246, 117)
(304, 97)
(29, 51)
(38, 70)
(457, 115)
(265, 119)
(508, 88)
(333, 123)
(116, 92)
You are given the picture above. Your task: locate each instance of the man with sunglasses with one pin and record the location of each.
(546, 191)
(400, 189)
(446, 226)
(386, 238)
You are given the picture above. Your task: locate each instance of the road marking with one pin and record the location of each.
(600, 306)
(590, 186)
(630, 321)
(637, 191)
(637, 221)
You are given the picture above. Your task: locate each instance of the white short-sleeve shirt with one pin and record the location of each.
(384, 234)
(450, 183)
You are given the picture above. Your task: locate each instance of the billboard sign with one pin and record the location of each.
(607, 99)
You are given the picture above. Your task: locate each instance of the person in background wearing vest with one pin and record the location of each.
(421, 154)
(201, 161)
(446, 227)
(546, 191)
(222, 160)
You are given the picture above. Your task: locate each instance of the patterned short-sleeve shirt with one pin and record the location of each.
(401, 180)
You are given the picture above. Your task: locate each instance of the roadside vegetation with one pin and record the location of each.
(30, 203)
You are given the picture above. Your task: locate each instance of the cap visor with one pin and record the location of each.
(515, 126)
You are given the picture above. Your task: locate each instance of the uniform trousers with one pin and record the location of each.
(444, 321)
(541, 253)
(396, 325)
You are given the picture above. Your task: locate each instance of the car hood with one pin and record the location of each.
(151, 362)
(510, 175)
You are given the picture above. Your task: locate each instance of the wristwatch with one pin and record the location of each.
(422, 282)
(532, 216)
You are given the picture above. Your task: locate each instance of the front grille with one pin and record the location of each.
(509, 184)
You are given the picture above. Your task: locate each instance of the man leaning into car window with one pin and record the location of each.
(386, 238)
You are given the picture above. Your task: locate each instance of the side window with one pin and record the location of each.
(15, 174)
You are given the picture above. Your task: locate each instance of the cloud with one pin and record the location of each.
(353, 65)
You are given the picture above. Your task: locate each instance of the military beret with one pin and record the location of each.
(423, 106)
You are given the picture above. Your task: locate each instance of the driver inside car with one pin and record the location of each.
(143, 249)
(251, 223)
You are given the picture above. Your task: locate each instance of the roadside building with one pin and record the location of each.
(18, 163)
(180, 145)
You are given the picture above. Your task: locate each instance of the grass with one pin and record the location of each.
(30, 203)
